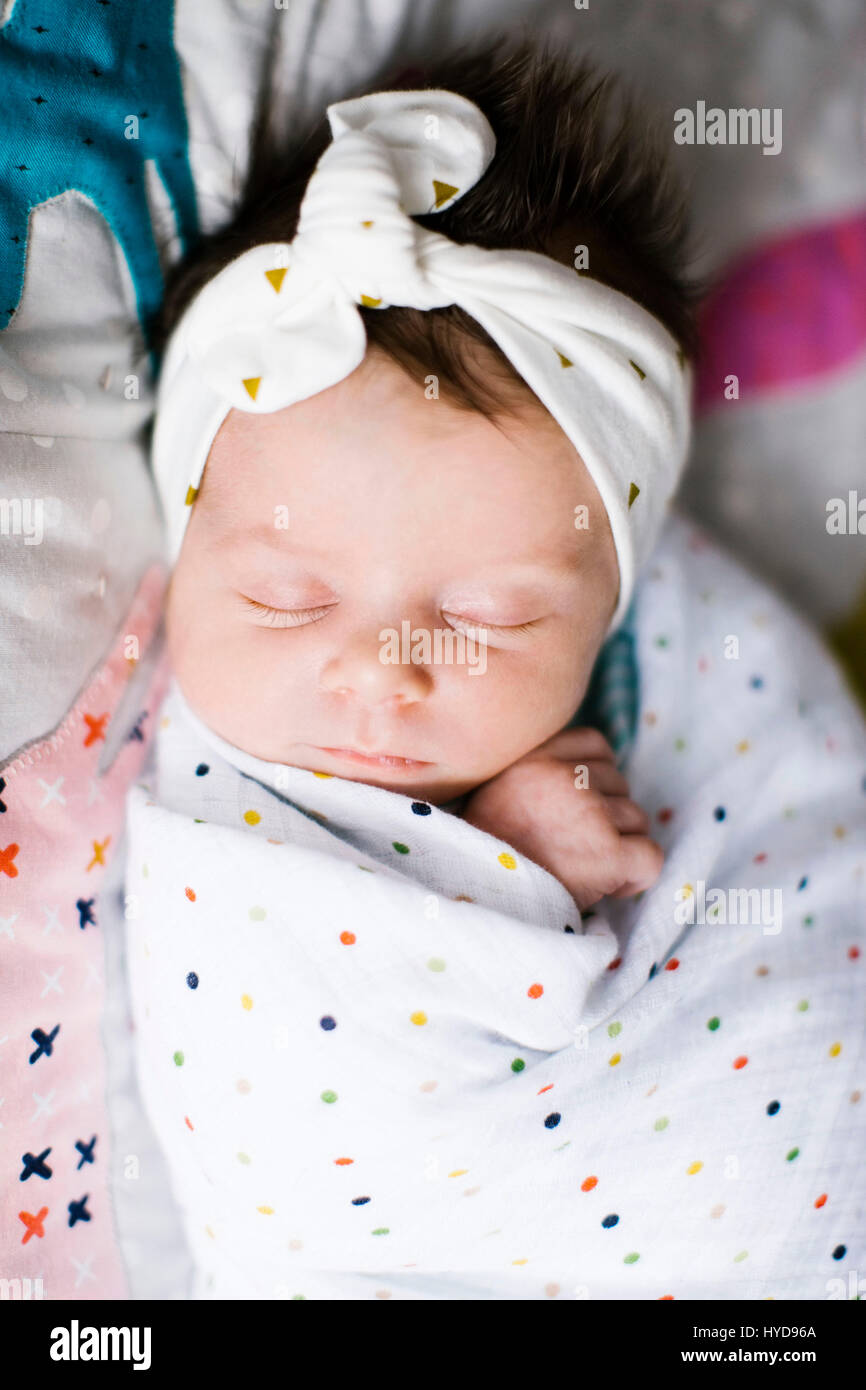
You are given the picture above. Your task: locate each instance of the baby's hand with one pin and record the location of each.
(565, 806)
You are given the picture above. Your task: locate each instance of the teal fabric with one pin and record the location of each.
(612, 700)
(71, 75)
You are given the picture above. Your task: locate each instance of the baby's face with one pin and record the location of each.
(370, 509)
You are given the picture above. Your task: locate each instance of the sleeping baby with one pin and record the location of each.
(422, 409)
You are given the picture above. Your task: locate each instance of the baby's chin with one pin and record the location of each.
(422, 781)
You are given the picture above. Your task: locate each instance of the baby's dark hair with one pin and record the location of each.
(575, 165)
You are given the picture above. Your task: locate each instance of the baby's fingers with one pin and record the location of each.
(601, 777)
(579, 745)
(627, 816)
(642, 863)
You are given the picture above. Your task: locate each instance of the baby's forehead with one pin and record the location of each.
(372, 461)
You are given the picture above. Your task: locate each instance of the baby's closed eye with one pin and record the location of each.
(267, 616)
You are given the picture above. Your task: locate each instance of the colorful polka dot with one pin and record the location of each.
(552, 1120)
(740, 1062)
(507, 860)
(610, 1221)
(400, 848)
(347, 938)
(178, 1059)
(246, 1002)
(714, 1023)
(588, 1184)
(420, 808)
(192, 980)
(328, 1023)
(419, 1018)
(190, 894)
(252, 817)
(535, 991)
(518, 1064)
(329, 1097)
(202, 770)
(773, 1108)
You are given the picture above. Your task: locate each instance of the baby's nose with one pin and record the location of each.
(367, 670)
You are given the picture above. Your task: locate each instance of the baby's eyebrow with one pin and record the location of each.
(559, 569)
(530, 582)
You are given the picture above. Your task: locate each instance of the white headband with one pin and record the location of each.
(281, 323)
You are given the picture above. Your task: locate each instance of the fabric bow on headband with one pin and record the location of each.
(281, 322)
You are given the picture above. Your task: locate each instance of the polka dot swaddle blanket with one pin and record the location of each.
(386, 1058)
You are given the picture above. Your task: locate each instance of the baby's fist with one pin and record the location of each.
(566, 807)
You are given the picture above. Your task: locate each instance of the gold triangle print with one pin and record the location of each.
(443, 191)
(633, 494)
(641, 373)
(564, 361)
(191, 495)
(251, 386)
(370, 302)
(276, 278)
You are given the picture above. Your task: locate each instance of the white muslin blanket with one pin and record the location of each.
(387, 1059)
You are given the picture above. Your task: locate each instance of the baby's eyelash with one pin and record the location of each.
(474, 625)
(286, 617)
(299, 617)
